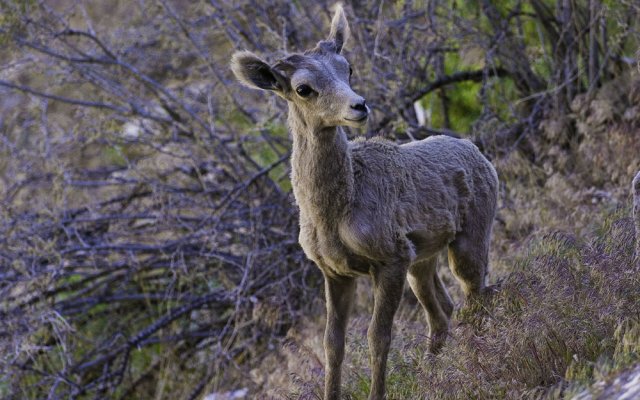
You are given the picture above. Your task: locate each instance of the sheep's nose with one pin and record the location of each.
(361, 106)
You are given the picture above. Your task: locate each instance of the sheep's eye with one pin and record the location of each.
(350, 72)
(303, 90)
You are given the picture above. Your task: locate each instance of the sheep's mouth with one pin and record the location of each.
(361, 119)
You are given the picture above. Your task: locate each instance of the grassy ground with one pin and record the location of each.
(567, 313)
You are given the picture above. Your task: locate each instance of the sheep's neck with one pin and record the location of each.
(322, 174)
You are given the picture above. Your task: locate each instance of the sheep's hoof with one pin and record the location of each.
(476, 305)
(479, 298)
(436, 342)
(489, 291)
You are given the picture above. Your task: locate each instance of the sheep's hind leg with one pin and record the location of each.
(468, 260)
(428, 288)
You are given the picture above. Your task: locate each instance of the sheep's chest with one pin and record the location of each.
(329, 253)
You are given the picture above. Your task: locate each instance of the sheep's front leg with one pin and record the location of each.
(339, 295)
(388, 287)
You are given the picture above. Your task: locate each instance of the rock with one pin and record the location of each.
(626, 386)
(231, 395)
(602, 111)
(631, 114)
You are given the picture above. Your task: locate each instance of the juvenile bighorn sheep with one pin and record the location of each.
(374, 207)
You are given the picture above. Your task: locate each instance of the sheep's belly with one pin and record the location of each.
(351, 265)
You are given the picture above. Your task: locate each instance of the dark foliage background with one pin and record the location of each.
(148, 237)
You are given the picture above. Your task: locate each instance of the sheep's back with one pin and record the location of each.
(428, 185)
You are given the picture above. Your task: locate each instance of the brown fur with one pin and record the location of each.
(372, 207)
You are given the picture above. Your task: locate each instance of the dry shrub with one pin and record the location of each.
(608, 128)
(559, 313)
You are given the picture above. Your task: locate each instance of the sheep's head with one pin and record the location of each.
(316, 82)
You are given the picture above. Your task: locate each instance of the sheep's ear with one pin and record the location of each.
(255, 73)
(339, 28)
